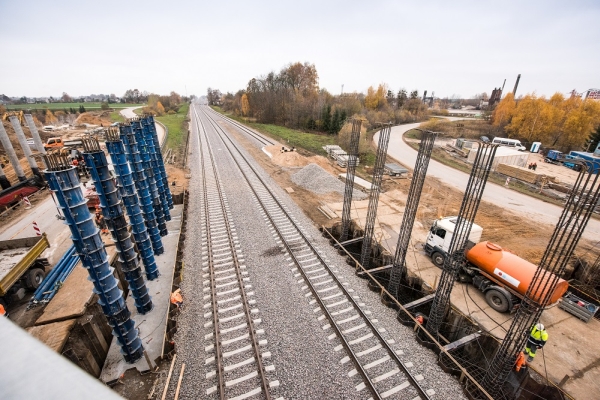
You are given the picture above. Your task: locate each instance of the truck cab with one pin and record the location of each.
(440, 235)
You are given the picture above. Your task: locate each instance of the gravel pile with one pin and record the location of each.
(317, 180)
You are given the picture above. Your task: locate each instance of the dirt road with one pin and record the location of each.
(529, 207)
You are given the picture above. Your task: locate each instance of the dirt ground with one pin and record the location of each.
(524, 237)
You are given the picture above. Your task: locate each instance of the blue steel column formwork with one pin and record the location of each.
(112, 209)
(63, 180)
(116, 149)
(161, 161)
(136, 124)
(141, 184)
(149, 141)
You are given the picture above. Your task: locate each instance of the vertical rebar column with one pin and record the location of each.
(63, 180)
(16, 124)
(466, 216)
(141, 184)
(410, 211)
(4, 182)
(350, 170)
(10, 152)
(571, 224)
(116, 149)
(145, 156)
(110, 203)
(39, 145)
(161, 162)
(384, 139)
(149, 140)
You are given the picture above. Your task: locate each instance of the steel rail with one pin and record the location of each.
(384, 343)
(236, 264)
(258, 137)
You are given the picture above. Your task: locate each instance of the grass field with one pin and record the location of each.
(61, 106)
(116, 116)
(312, 142)
(175, 124)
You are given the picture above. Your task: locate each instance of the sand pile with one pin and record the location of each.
(287, 159)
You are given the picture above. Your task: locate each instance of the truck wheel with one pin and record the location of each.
(34, 278)
(497, 300)
(438, 259)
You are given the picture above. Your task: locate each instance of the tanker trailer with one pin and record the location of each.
(504, 277)
(500, 275)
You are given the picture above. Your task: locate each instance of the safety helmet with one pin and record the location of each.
(539, 327)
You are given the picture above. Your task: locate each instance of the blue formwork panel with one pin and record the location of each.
(147, 130)
(161, 162)
(133, 156)
(110, 202)
(65, 184)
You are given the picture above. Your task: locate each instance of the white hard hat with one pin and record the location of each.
(539, 327)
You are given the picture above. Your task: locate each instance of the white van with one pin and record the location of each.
(513, 143)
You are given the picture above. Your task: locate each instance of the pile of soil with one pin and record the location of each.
(94, 118)
(286, 159)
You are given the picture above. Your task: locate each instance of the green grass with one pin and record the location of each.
(116, 116)
(61, 106)
(175, 124)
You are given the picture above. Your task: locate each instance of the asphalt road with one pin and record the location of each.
(523, 205)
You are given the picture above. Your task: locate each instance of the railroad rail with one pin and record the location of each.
(240, 370)
(257, 136)
(382, 370)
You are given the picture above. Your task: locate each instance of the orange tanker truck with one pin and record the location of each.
(502, 276)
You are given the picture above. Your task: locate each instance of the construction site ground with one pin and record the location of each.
(572, 350)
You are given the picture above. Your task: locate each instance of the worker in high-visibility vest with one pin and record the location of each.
(3, 312)
(536, 340)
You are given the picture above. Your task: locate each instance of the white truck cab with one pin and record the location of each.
(440, 235)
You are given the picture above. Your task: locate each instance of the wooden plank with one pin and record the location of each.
(71, 300)
(53, 335)
(74, 296)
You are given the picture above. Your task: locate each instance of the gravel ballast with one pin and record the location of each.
(317, 180)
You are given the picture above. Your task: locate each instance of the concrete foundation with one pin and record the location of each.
(152, 325)
(12, 156)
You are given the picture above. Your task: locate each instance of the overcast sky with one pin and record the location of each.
(449, 47)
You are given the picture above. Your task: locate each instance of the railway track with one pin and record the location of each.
(236, 352)
(369, 354)
(264, 141)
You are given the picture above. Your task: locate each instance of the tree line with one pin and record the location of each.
(292, 97)
(557, 122)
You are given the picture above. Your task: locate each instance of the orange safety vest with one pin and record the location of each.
(2, 310)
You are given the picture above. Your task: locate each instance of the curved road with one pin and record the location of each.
(160, 131)
(526, 206)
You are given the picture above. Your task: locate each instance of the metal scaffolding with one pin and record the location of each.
(63, 180)
(116, 149)
(410, 211)
(112, 209)
(350, 170)
(141, 184)
(466, 216)
(154, 163)
(571, 224)
(384, 139)
(144, 152)
(161, 162)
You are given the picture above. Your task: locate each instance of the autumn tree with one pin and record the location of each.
(504, 111)
(375, 99)
(160, 110)
(66, 98)
(245, 105)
